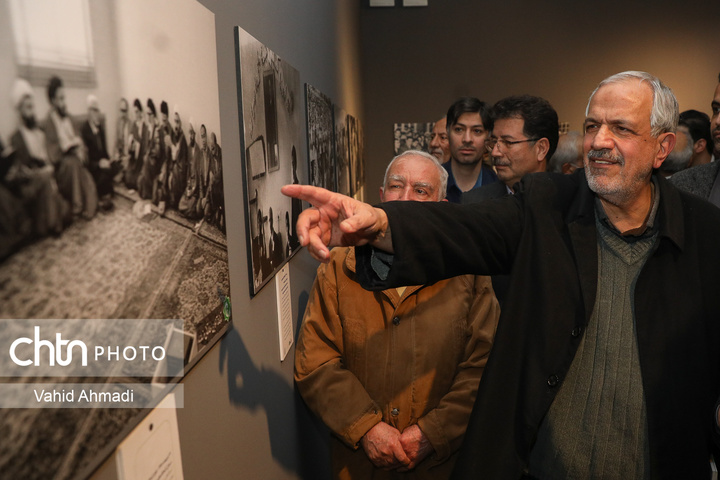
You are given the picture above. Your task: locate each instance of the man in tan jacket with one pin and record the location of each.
(394, 374)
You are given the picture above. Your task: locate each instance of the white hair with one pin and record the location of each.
(665, 111)
(442, 173)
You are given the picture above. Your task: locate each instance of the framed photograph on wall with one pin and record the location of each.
(270, 119)
(412, 136)
(355, 156)
(150, 242)
(321, 150)
(342, 156)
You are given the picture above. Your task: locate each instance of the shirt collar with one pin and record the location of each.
(451, 178)
(648, 228)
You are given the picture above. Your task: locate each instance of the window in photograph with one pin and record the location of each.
(53, 38)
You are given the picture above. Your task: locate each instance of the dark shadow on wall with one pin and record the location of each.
(313, 436)
(257, 388)
(299, 441)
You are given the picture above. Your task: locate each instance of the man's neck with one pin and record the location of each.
(510, 184)
(465, 175)
(700, 159)
(630, 214)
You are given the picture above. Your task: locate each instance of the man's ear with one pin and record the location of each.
(666, 141)
(568, 168)
(381, 194)
(700, 145)
(542, 147)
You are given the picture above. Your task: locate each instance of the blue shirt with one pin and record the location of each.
(454, 194)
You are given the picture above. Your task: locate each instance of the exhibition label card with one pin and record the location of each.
(152, 450)
(284, 308)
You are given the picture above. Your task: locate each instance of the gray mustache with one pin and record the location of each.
(605, 155)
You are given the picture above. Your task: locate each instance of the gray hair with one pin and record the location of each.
(665, 110)
(442, 173)
(567, 151)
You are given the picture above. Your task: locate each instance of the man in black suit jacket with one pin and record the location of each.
(525, 136)
(703, 180)
(101, 167)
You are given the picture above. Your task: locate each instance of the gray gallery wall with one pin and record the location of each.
(416, 61)
(242, 418)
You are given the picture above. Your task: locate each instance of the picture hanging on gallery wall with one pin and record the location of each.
(270, 119)
(356, 158)
(412, 136)
(321, 151)
(342, 159)
(142, 234)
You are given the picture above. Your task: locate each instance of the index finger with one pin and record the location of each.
(314, 195)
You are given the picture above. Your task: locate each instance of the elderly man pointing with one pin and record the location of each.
(606, 362)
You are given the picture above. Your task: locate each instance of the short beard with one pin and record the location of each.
(464, 161)
(29, 122)
(617, 193)
(677, 161)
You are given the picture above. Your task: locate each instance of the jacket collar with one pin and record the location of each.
(669, 215)
(391, 293)
(580, 218)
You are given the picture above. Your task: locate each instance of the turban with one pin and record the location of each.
(21, 89)
(92, 102)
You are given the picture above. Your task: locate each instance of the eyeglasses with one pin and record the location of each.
(490, 142)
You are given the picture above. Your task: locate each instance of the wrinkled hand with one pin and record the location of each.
(382, 446)
(337, 220)
(416, 446)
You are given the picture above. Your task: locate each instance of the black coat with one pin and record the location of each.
(546, 235)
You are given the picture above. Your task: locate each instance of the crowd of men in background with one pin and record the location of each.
(518, 135)
(59, 169)
(364, 357)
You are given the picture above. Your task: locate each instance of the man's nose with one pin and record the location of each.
(603, 139)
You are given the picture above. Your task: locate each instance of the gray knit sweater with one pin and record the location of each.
(596, 428)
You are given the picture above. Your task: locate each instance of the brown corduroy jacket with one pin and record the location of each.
(364, 357)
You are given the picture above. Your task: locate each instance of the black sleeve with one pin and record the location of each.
(436, 240)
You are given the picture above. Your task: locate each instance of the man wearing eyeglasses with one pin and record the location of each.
(524, 137)
(606, 363)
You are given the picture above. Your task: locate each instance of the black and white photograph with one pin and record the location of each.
(355, 155)
(270, 118)
(321, 152)
(111, 192)
(412, 136)
(342, 156)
